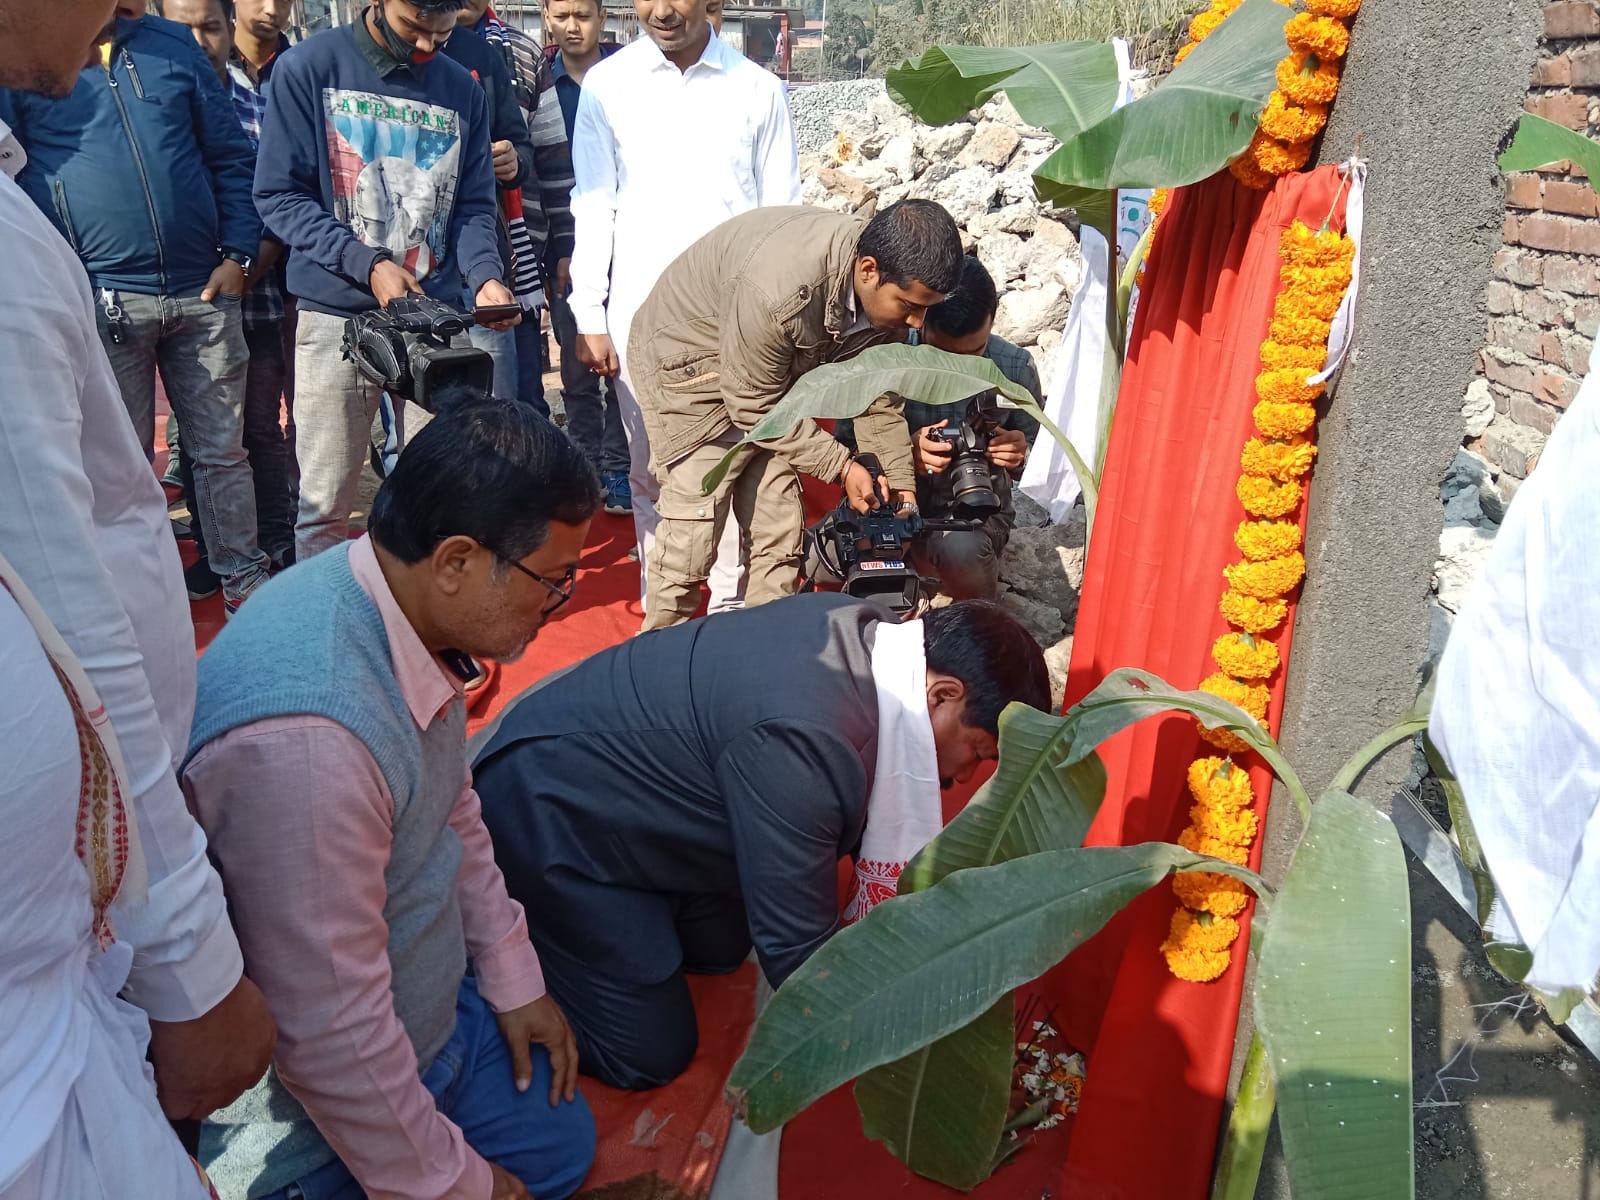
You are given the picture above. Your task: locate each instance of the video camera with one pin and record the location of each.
(405, 349)
(968, 476)
(868, 551)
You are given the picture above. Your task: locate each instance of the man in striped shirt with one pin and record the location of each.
(546, 194)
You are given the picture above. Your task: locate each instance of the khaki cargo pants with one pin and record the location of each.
(761, 491)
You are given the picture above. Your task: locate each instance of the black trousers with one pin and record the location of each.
(631, 1033)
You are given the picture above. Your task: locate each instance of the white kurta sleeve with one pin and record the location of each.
(777, 160)
(594, 213)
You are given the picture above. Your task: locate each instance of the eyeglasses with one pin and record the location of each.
(562, 591)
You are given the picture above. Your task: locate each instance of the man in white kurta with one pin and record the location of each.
(84, 526)
(1517, 712)
(675, 133)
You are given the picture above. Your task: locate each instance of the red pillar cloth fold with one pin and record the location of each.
(1159, 1049)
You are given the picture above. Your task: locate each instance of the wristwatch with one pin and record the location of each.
(246, 262)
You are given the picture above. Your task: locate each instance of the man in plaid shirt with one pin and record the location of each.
(546, 195)
(244, 40)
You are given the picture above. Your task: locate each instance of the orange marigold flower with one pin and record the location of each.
(1245, 170)
(1307, 79)
(1285, 356)
(1244, 656)
(1225, 790)
(1204, 25)
(1189, 932)
(1279, 419)
(1252, 614)
(1193, 840)
(1223, 739)
(1206, 891)
(1286, 387)
(1229, 825)
(1258, 540)
(1326, 37)
(1197, 966)
(1158, 201)
(1343, 9)
(1272, 577)
(1183, 52)
(1252, 697)
(1303, 246)
(1278, 158)
(1278, 459)
(1300, 281)
(1267, 497)
(1292, 123)
(1300, 331)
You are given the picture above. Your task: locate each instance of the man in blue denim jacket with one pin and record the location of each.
(145, 171)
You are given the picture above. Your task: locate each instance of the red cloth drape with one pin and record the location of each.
(1159, 1049)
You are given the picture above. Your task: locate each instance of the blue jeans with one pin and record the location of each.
(549, 1149)
(594, 419)
(199, 347)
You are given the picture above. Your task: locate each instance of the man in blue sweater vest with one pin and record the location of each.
(375, 170)
(328, 766)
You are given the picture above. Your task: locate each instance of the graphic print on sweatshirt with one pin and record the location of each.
(395, 166)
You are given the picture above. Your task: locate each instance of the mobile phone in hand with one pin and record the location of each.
(490, 314)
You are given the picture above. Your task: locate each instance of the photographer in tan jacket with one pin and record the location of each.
(726, 332)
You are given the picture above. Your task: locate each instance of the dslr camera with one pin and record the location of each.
(968, 476)
(405, 349)
(869, 551)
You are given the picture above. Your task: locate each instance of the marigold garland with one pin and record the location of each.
(1258, 540)
(1316, 267)
(1308, 80)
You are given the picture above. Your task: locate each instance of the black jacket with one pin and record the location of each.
(730, 756)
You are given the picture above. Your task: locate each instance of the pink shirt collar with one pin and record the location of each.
(427, 686)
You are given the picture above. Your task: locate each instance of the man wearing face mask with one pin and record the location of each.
(375, 169)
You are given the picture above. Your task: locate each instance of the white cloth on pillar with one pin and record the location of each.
(77, 1099)
(1074, 401)
(1517, 712)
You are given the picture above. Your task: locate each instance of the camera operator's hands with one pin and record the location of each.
(1008, 449)
(861, 491)
(930, 455)
(596, 352)
(390, 281)
(491, 295)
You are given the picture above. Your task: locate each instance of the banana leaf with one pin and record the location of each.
(1064, 87)
(846, 389)
(1333, 1005)
(942, 1109)
(1128, 695)
(1539, 142)
(1196, 120)
(921, 966)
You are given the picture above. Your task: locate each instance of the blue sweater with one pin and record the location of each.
(313, 642)
(143, 168)
(353, 163)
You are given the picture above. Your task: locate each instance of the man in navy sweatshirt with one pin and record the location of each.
(375, 170)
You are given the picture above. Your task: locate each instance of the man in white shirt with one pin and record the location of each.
(676, 133)
(84, 525)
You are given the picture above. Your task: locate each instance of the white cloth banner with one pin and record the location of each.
(1344, 319)
(1517, 713)
(904, 811)
(1074, 400)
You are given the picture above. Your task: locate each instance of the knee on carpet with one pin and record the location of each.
(653, 1061)
(568, 1148)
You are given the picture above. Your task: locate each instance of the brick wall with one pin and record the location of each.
(1544, 300)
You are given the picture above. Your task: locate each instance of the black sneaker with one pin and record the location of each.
(201, 580)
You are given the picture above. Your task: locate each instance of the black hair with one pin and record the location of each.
(437, 6)
(492, 470)
(914, 241)
(994, 657)
(227, 9)
(964, 310)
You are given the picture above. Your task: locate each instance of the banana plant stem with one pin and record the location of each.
(1239, 1164)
